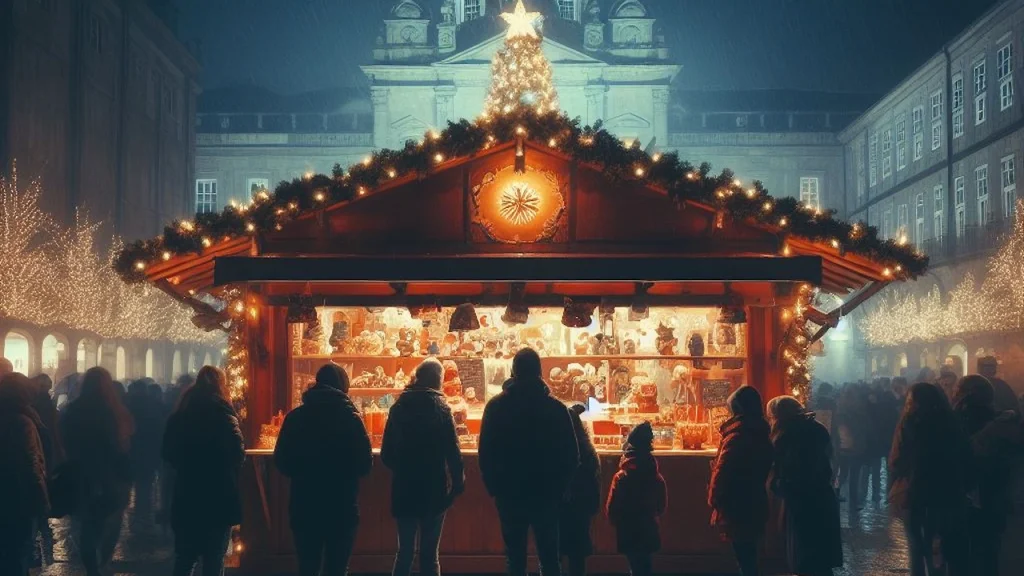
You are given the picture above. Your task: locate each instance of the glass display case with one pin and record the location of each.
(671, 366)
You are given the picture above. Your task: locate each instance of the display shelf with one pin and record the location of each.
(374, 391)
(554, 357)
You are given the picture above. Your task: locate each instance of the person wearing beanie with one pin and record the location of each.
(637, 498)
(528, 456)
(583, 500)
(421, 448)
(736, 493)
(323, 447)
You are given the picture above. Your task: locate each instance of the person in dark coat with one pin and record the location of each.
(881, 420)
(1005, 399)
(852, 426)
(170, 403)
(528, 456)
(802, 478)
(737, 491)
(995, 443)
(149, 426)
(582, 501)
(49, 435)
(637, 498)
(324, 449)
(421, 448)
(203, 444)
(23, 494)
(97, 431)
(928, 479)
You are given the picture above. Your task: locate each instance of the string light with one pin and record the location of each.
(552, 143)
(438, 157)
(250, 227)
(206, 242)
(166, 255)
(639, 172)
(520, 74)
(656, 157)
(319, 196)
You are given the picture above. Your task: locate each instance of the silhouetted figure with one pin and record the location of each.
(528, 455)
(97, 431)
(582, 501)
(737, 492)
(1005, 399)
(802, 478)
(879, 431)
(928, 468)
(637, 498)
(204, 445)
(323, 447)
(171, 396)
(148, 417)
(852, 424)
(23, 496)
(421, 448)
(995, 443)
(49, 435)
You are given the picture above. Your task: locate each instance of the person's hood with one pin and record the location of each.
(638, 461)
(744, 424)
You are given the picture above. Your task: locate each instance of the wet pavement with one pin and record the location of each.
(873, 543)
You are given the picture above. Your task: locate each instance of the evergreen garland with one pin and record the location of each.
(589, 145)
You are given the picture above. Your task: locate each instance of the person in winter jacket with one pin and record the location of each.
(637, 498)
(23, 495)
(97, 431)
(1005, 399)
(528, 456)
(737, 491)
(323, 447)
(852, 425)
(928, 479)
(49, 435)
(995, 442)
(170, 403)
(582, 501)
(145, 446)
(203, 444)
(802, 478)
(421, 448)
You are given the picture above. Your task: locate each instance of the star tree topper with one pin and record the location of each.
(521, 22)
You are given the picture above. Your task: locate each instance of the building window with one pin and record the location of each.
(919, 219)
(96, 33)
(860, 175)
(936, 120)
(961, 206)
(887, 153)
(901, 142)
(809, 192)
(1009, 180)
(901, 220)
(937, 202)
(254, 186)
(887, 223)
(918, 120)
(472, 10)
(206, 196)
(980, 85)
(981, 187)
(873, 159)
(567, 9)
(1004, 69)
(958, 106)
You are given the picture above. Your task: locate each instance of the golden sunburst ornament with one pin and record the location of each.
(519, 203)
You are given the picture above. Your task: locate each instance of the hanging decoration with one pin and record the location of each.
(236, 365)
(796, 343)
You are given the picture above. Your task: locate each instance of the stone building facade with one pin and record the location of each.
(935, 161)
(97, 99)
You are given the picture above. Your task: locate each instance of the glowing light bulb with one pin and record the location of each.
(392, 173)
(767, 206)
(140, 265)
(206, 242)
(249, 226)
(783, 222)
(166, 255)
(367, 161)
(438, 157)
(552, 143)
(308, 176)
(362, 191)
(656, 157)
(639, 172)
(319, 196)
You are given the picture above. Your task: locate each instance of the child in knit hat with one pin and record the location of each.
(637, 498)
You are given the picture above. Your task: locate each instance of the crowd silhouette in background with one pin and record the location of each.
(941, 452)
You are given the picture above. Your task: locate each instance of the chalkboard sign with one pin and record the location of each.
(715, 393)
(471, 372)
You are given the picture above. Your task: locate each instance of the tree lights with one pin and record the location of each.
(520, 74)
(795, 344)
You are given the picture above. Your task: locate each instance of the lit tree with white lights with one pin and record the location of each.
(520, 74)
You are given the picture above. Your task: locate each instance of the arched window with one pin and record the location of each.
(17, 349)
(176, 364)
(121, 365)
(54, 351)
(149, 363)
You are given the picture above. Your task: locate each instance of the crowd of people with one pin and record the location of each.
(946, 447)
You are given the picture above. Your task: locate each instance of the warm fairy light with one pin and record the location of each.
(438, 157)
(392, 173)
(886, 272)
(279, 211)
(520, 74)
(140, 265)
(293, 206)
(262, 195)
(767, 206)
(520, 130)
(166, 255)
(186, 225)
(552, 143)
(362, 191)
(691, 175)
(206, 242)
(434, 134)
(751, 192)
(786, 314)
(902, 240)
(639, 172)
(835, 243)
(656, 157)
(254, 312)
(367, 161)
(278, 227)
(783, 221)
(319, 196)
(250, 227)
(239, 307)
(586, 140)
(737, 183)
(308, 176)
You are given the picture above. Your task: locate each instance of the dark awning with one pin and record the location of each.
(518, 268)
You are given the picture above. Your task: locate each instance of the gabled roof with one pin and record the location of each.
(483, 53)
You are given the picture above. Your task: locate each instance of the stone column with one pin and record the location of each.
(444, 99)
(381, 118)
(660, 97)
(595, 102)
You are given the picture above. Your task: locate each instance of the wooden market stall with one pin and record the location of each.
(645, 304)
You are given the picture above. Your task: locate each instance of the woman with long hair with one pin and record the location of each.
(97, 431)
(927, 465)
(802, 478)
(203, 444)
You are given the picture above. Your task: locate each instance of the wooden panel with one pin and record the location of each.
(471, 542)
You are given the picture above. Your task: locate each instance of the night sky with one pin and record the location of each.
(294, 46)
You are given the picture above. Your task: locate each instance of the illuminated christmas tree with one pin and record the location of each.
(520, 74)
